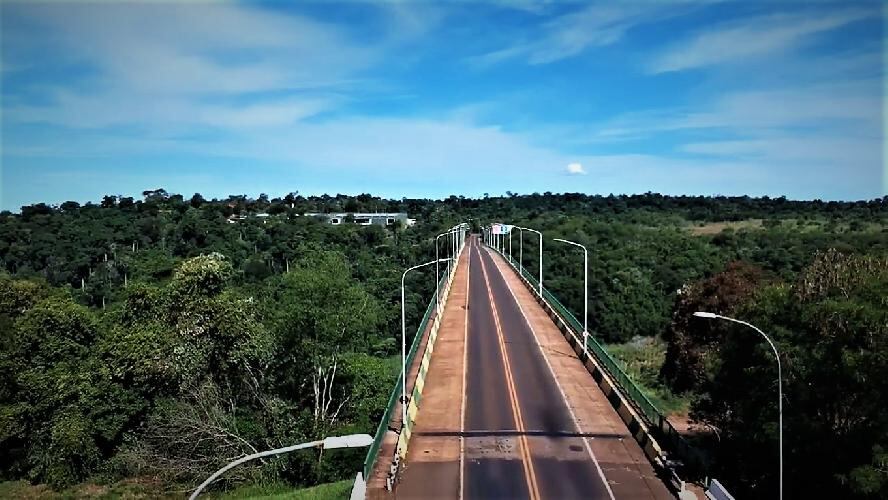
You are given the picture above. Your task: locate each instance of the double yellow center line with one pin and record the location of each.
(523, 446)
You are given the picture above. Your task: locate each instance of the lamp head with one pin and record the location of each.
(701, 314)
(351, 441)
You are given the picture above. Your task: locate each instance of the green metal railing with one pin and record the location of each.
(656, 421)
(373, 451)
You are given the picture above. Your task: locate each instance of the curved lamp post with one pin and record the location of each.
(404, 341)
(709, 315)
(351, 441)
(585, 289)
(437, 279)
(541, 253)
(520, 248)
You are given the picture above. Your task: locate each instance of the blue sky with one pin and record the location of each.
(432, 99)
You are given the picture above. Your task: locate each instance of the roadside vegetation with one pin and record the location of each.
(145, 343)
(128, 489)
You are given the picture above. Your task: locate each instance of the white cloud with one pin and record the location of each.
(174, 66)
(575, 169)
(846, 107)
(752, 38)
(570, 34)
(825, 151)
(200, 47)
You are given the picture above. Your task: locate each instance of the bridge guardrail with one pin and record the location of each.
(692, 458)
(373, 451)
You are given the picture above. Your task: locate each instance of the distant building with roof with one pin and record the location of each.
(362, 219)
(366, 219)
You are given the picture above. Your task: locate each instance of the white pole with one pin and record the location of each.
(700, 314)
(541, 264)
(585, 298)
(520, 251)
(404, 342)
(510, 245)
(585, 291)
(403, 355)
(437, 279)
(541, 255)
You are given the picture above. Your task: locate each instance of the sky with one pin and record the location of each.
(429, 99)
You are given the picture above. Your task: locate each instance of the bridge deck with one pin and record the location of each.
(509, 411)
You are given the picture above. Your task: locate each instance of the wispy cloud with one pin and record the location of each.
(201, 64)
(848, 107)
(571, 34)
(756, 37)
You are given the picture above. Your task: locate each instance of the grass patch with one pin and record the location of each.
(132, 490)
(329, 491)
(128, 489)
(641, 359)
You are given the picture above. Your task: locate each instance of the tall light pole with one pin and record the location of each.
(404, 342)
(585, 289)
(497, 237)
(709, 315)
(520, 250)
(437, 279)
(541, 254)
(351, 441)
(510, 244)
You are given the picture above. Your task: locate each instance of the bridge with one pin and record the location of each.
(505, 402)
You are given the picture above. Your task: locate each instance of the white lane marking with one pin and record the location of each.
(558, 384)
(462, 409)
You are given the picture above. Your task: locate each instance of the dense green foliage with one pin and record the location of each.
(160, 337)
(831, 328)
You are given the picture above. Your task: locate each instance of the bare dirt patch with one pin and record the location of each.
(717, 227)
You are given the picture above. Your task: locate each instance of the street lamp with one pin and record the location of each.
(510, 245)
(437, 279)
(585, 289)
(495, 235)
(460, 235)
(709, 315)
(332, 442)
(404, 342)
(520, 250)
(541, 253)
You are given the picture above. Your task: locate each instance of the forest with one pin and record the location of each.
(152, 340)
